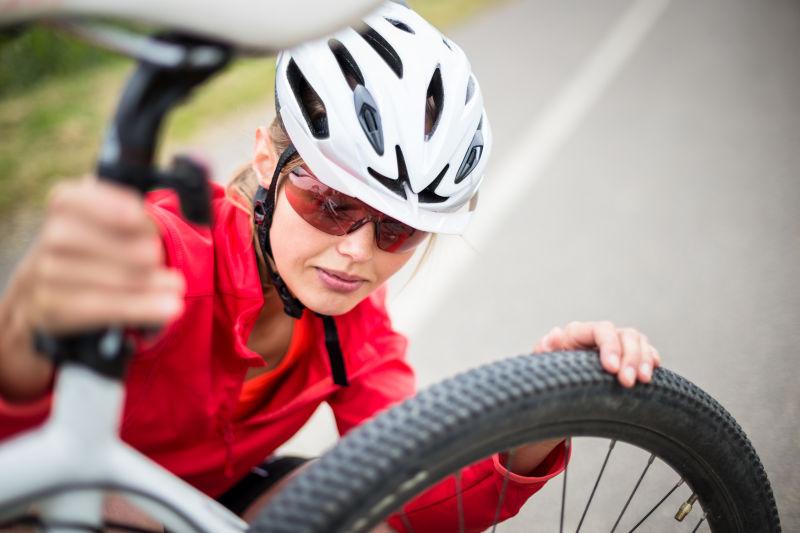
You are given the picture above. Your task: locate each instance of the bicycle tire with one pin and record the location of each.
(383, 463)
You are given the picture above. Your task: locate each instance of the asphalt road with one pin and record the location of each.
(656, 188)
(671, 204)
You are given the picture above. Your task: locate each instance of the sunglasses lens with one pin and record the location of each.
(319, 205)
(394, 236)
(335, 213)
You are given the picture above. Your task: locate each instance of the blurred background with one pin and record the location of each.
(645, 171)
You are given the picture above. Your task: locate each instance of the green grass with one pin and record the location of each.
(53, 130)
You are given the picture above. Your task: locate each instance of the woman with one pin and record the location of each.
(380, 139)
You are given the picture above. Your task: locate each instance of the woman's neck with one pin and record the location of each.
(271, 334)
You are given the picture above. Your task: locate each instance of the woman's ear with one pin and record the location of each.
(264, 158)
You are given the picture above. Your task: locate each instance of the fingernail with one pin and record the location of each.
(646, 370)
(613, 360)
(629, 374)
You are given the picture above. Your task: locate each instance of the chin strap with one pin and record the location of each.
(263, 209)
(334, 347)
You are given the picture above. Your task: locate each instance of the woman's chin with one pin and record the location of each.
(331, 305)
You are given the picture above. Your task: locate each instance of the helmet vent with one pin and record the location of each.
(369, 117)
(434, 101)
(428, 194)
(397, 186)
(400, 25)
(309, 101)
(446, 43)
(383, 48)
(470, 89)
(472, 157)
(346, 62)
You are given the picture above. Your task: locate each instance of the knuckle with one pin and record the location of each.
(607, 325)
(573, 325)
(55, 235)
(151, 252)
(653, 353)
(47, 269)
(45, 312)
(58, 195)
(37, 301)
(128, 213)
(48, 236)
(65, 194)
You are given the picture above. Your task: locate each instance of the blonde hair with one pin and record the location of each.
(241, 189)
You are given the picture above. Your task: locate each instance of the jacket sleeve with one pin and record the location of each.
(377, 386)
(481, 485)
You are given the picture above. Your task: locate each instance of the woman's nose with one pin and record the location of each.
(360, 244)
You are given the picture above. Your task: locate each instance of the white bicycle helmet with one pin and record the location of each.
(372, 142)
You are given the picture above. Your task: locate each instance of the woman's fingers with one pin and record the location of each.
(99, 260)
(73, 235)
(553, 341)
(61, 310)
(645, 368)
(631, 354)
(638, 359)
(105, 205)
(623, 351)
(605, 337)
(105, 273)
(600, 335)
(656, 357)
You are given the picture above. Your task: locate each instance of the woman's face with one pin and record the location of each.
(330, 274)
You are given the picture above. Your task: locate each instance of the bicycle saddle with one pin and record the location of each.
(259, 25)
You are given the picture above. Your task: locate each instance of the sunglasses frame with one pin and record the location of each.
(333, 223)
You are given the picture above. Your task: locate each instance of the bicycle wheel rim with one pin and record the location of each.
(492, 408)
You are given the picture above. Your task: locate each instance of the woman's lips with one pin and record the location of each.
(339, 281)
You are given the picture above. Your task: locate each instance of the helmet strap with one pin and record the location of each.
(264, 202)
(334, 347)
(263, 211)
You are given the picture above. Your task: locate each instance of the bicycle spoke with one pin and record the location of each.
(567, 445)
(656, 506)
(502, 492)
(635, 488)
(460, 503)
(702, 519)
(596, 483)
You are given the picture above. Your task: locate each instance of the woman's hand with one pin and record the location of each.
(624, 352)
(99, 260)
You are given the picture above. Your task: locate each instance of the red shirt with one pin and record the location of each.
(184, 404)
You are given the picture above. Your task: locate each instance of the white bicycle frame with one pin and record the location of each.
(76, 456)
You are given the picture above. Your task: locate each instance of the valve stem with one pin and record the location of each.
(685, 508)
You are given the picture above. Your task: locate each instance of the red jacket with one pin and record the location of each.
(183, 391)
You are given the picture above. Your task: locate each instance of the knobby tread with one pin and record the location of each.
(499, 405)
